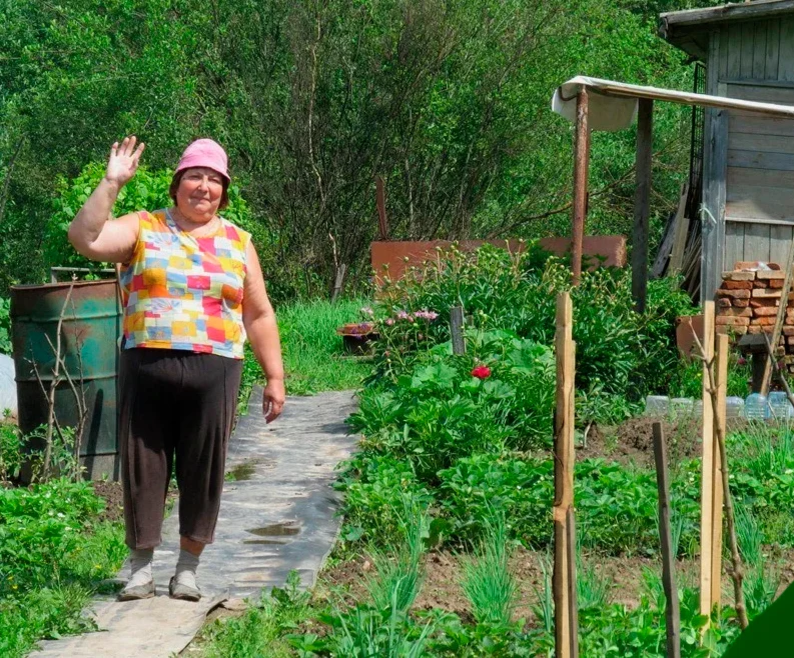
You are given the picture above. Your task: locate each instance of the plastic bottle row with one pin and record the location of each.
(754, 407)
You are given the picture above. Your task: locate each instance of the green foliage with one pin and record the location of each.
(10, 451)
(438, 411)
(51, 555)
(262, 629)
(5, 326)
(619, 352)
(148, 190)
(448, 103)
(487, 581)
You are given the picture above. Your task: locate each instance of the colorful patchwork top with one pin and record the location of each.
(182, 292)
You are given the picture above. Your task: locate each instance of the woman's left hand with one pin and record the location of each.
(273, 399)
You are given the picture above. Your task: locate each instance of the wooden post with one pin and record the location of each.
(580, 167)
(642, 205)
(456, 330)
(672, 614)
(707, 467)
(338, 282)
(383, 222)
(721, 372)
(564, 583)
(781, 316)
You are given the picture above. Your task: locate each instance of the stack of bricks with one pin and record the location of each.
(748, 301)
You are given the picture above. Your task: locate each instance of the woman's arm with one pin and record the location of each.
(90, 232)
(260, 325)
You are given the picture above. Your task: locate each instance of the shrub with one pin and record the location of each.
(148, 190)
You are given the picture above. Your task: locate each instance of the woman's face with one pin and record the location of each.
(199, 193)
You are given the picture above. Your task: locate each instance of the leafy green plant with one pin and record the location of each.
(487, 580)
(148, 190)
(10, 451)
(5, 325)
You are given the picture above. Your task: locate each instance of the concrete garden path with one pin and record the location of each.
(277, 514)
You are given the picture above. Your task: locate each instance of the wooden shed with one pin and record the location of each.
(748, 159)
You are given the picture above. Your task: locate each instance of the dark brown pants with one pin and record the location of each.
(174, 404)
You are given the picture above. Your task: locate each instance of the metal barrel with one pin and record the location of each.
(90, 317)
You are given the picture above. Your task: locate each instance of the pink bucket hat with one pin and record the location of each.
(205, 153)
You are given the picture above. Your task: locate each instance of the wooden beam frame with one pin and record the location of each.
(642, 205)
(580, 173)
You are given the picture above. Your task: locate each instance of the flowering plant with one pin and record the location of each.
(481, 372)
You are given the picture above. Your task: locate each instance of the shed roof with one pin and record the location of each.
(689, 29)
(613, 105)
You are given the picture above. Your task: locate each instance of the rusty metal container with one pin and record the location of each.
(90, 331)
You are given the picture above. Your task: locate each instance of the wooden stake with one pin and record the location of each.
(707, 466)
(681, 234)
(717, 496)
(456, 330)
(566, 643)
(737, 571)
(642, 205)
(580, 167)
(672, 614)
(781, 316)
(383, 222)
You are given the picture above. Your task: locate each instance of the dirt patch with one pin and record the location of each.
(632, 441)
(113, 496)
(443, 570)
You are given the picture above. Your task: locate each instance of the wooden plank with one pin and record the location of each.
(734, 243)
(672, 613)
(759, 125)
(563, 474)
(780, 238)
(788, 267)
(665, 248)
(751, 201)
(761, 93)
(772, 50)
(642, 205)
(761, 160)
(456, 330)
(760, 177)
(759, 49)
(756, 242)
(720, 40)
(734, 48)
(707, 467)
(746, 45)
(580, 175)
(721, 376)
(786, 62)
(714, 171)
(725, 12)
(681, 234)
(767, 143)
(751, 220)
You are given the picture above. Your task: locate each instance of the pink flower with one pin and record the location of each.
(481, 372)
(366, 310)
(426, 315)
(390, 321)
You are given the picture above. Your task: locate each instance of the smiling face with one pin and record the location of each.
(200, 193)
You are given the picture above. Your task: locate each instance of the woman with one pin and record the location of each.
(193, 290)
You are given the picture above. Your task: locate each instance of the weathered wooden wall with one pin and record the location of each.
(749, 159)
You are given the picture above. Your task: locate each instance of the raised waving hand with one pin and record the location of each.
(123, 161)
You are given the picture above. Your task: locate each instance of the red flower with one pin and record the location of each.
(481, 372)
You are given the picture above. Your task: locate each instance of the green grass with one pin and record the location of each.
(314, 359)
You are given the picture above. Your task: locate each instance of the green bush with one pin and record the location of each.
(148, 190)
(618, 350)
(5, 326)
(439, 411)
(38, 527)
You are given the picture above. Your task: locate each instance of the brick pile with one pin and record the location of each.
(748, 301)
